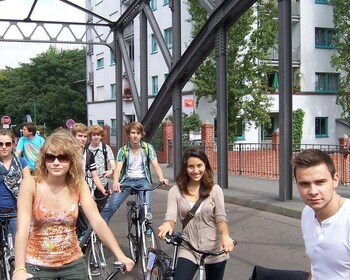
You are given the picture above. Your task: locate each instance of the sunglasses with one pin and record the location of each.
(50, 158)
(7, 144)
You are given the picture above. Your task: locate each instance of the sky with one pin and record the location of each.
(12, 53)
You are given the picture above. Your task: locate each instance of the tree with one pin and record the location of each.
(341, 56)
(248, 43)
(51, 88)
(190, 123)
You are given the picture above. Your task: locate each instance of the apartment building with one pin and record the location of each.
(315, 82)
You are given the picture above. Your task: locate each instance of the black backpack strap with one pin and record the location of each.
(191, 213)
(104, 150)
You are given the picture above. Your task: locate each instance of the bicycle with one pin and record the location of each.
(141, 234)
(99, 259)
(6, 247)
(162, 267)
(118, 267)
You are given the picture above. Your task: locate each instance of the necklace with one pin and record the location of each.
(194, 192)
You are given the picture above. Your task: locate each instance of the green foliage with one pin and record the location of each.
(51, 88)
(248, 42)
(190, 122)
(298, 121)
(340, 58)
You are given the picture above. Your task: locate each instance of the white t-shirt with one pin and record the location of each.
(135, 168)
(327, 244)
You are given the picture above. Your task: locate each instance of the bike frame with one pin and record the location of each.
(6, 243)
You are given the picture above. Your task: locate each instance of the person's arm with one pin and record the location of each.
(19, 147)
(24, 215)
(170, 216)
(97, 181)
(159, 171)
(111, 161)
(117, 170)
(226, 241)
(26, 172)
(101, 228)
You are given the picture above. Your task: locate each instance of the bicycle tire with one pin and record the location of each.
(161, 269)
(99, 260)
(151, 243)
(133, 244)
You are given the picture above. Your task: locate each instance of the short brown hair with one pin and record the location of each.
(137, 126)
(79, 127)
(312, 157)
(31, 127)
(96, 130)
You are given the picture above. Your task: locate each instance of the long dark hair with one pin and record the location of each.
(207, 181)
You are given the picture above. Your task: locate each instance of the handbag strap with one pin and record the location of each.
(191, 213)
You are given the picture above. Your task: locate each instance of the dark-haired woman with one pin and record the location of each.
(208, 229)
(12, 170)
(46, 241)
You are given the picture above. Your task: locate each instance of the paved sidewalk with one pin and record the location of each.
(258, 193)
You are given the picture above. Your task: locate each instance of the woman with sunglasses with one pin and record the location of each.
(12, 170)
(46, 242)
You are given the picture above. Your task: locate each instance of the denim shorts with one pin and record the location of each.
(76, 270)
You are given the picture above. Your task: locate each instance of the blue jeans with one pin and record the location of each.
(13, 226)
(117, 199)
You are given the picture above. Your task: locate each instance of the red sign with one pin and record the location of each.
(5, 120)
(189, 103)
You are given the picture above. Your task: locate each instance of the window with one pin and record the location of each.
(154, 85)
(321, 127)
(101, 123)
(113, 91)
(153, 4)
(327, 2)
(240, 135)
(154, 45)
(267, 132)
(168, 36)
(166, 2)
(113, 127)
(327, 82)
(326, 38)
(111, 61)
(100, 63)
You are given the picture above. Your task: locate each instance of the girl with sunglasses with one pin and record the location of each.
(12, 170)
(46, 243)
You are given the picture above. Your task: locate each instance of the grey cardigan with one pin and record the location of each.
(201, 231)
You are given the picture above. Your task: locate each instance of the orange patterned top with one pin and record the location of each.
(53, 240)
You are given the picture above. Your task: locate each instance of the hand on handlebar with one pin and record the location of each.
(228, 244)
(166, 228)
(116, 186)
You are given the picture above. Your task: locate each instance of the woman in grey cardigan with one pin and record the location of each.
(208, 229)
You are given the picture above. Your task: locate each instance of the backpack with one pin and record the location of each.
(145, 146)
(89, 153)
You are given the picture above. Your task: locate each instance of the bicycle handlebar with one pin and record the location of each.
(135, 189)
(177, 238)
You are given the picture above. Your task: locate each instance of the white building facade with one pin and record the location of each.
(315, 81)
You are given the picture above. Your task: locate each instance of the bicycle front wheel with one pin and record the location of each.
(149, 241)
(99, 259)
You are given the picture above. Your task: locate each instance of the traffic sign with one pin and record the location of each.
(5, 120)
(70, 123)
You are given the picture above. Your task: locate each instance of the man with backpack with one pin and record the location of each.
(80, 132)
(104, 160)
(133, 169)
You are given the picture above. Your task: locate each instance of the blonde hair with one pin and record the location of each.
(96, 130)
(64, 143)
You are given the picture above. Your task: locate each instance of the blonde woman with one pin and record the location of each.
(46, 241)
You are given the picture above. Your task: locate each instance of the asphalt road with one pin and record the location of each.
(264, 239)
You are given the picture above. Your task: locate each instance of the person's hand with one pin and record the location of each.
(227, 243)
(21, 275)
(116, 186)
(108, 173)
(166, 227)
(165, 181)
(129, 263)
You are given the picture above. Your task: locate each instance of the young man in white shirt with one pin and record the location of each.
(325, 219)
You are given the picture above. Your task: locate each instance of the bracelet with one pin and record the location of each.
(19, 269)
